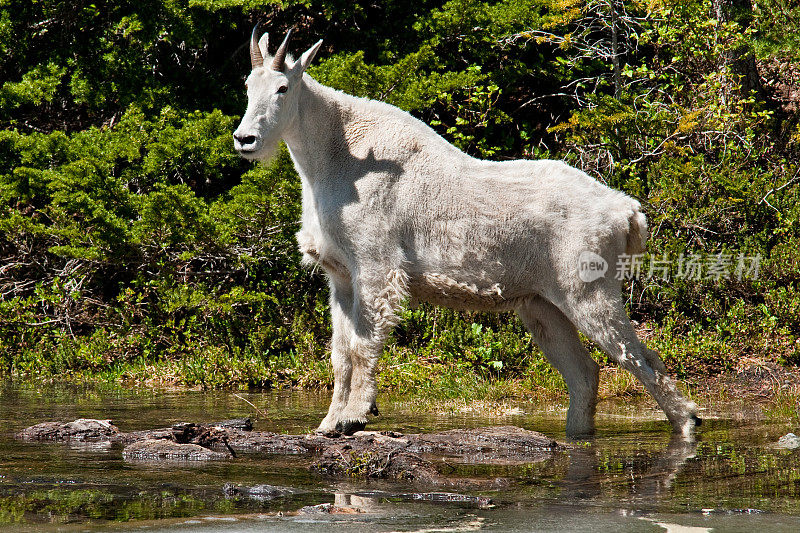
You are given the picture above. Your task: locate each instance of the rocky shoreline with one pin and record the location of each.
(418, 458)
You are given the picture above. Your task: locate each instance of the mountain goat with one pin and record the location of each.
(393, 212)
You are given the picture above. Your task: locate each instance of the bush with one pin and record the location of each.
(134, 242)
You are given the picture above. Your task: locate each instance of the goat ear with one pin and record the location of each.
(308, 56)
(262, 45)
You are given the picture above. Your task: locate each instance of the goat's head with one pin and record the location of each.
(273, 89)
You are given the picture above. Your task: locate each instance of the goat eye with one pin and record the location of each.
(282, 89)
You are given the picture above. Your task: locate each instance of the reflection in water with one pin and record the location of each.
(628, 474)
(678, 528)
(592, 472)
(362, 504)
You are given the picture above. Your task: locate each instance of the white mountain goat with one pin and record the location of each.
(393, 212)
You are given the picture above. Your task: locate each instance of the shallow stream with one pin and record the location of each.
(632, 477)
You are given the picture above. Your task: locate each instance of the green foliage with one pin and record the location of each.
(399, 83)
(778, 29)
(136, 245)
(37, 86)
(702, 153)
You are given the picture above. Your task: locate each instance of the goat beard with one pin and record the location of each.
(269, 147)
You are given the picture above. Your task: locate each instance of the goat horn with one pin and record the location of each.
(280, 55)
(256, 59)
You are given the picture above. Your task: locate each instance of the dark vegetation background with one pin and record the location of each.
(136, 245)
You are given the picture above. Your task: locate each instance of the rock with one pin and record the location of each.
(162, 449)
(243, 424)
(328, 508)
(83, 430)
(406, 457)
(266, 442)
(482, 502)
(790, 441)
(375, 462)
(257, 492)
(366, 454)
(135, 436)
(509, 442)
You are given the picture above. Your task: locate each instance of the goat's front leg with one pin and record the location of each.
(341, 303)
(373, 316)
(363, 384)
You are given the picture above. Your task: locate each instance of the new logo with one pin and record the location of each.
(591, 266)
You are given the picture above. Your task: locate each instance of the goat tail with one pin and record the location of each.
(637, 231)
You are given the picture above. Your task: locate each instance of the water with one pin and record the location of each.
(631, 478)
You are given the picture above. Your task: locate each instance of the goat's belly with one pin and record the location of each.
(443, 290)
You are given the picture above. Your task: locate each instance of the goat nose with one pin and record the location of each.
(244, 140)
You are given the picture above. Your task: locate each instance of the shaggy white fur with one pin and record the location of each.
(392, 212)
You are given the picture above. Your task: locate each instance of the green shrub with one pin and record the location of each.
(136, 244)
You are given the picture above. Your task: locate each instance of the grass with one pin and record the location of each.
(452, 372)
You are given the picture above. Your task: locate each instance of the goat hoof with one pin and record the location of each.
(374, 410)
(348, 427)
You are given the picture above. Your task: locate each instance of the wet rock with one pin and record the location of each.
(790, 441)
(407, 457)
(136, 436)
(215, 436)
(508, 442)
(83, 429)
(366, 454)
(257, 492)
(482, 502)
(243, 424)
(162, 449)
(345, 460)
(266, 442)
(328, 508)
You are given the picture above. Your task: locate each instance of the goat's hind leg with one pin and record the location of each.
(604, 320)
(559, 341)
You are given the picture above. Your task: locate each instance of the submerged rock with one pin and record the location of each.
(257, 492)
(328, 508)
(83, 429)
(482, 502)
(790, 441)
(162, 449)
